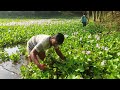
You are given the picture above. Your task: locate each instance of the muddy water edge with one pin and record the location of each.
(10, 69)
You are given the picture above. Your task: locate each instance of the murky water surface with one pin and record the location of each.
(10, 70)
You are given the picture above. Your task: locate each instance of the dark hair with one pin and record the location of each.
(60, 38)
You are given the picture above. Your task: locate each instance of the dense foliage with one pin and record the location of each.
(90, 51)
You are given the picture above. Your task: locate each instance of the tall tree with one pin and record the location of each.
(88, 15)
(94, 16)
(100, 16)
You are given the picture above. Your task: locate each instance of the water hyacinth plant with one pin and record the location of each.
(90, 53)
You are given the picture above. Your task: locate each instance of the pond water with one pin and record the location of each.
(10, 70)
(11, 50)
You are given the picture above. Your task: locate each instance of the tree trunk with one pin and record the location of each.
(100, 15)
(87, 15)
(94, 16)
(112, 15)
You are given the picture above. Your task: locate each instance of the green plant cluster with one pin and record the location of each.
(90, 52)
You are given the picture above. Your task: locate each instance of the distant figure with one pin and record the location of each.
(37, 45)
(84, 20)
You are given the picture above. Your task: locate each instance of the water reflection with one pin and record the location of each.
(10, 70)
(7, 71)
(12, 50)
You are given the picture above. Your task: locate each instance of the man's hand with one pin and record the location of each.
(29, 58)
(42, 66)
(34, 58)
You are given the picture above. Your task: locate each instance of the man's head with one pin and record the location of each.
(84, 15)
(57, 39)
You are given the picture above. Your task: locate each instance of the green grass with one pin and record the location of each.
(90, 52)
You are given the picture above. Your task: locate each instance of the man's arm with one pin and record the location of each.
(33, 55)
(59, 53)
